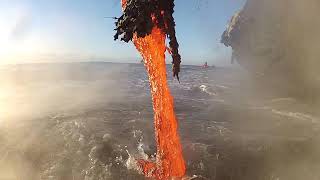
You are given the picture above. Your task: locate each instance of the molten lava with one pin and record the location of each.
(169, 160)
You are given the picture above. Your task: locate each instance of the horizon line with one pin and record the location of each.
(70, 62)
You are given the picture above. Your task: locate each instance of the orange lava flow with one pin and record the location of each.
(169, 160)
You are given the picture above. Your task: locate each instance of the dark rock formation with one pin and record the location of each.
(141, 16)
(280, 40)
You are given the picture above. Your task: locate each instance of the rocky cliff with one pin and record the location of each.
(279, 39)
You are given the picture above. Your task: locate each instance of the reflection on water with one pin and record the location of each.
(88, 121)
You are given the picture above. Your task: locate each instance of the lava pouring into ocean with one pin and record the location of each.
(170, 162)
(169, 159)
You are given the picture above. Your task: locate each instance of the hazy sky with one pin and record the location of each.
(76, 30)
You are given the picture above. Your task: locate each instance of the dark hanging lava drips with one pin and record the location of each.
(141, 16)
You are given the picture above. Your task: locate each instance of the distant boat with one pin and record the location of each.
(205, 65)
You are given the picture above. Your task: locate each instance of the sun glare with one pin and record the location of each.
(15, 48)
(6, 45)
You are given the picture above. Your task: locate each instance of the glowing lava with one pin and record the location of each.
(169, 160)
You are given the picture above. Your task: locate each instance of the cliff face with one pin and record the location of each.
(279, 39)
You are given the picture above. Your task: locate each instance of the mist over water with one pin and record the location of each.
(279, 40)
(91, 120)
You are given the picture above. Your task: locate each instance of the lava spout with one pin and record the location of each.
(170, 162)
(151, 45)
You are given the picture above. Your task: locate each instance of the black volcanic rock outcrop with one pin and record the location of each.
(280, 40)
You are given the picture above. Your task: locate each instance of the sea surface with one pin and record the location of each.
(91, 121)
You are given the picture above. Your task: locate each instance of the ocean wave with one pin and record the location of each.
(296, 115)
(207, 90)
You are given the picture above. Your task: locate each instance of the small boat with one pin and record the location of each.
(205, 65)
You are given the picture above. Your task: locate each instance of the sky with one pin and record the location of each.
(33, 31)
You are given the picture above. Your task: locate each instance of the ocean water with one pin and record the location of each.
(90, 121)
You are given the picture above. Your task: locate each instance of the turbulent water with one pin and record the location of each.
(92, 120)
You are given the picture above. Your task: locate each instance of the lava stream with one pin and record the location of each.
(169, 160)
